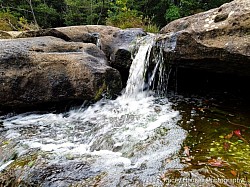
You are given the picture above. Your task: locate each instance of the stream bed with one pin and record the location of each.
(139, 139)
(189, 141)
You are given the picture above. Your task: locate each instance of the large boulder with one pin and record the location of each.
(122, 46)
(217, 40)
(42, 70)
(121, 50)
(116, 43)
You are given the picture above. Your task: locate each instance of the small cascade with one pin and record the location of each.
(136, 81)
(97, 39)
(136, 132)
(150, 70)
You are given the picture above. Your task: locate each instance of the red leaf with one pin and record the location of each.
(216, 162)
(237, 133)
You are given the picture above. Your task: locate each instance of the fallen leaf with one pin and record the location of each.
(163, 177)
(201, 163)
(186, 151)
(188, 159)
(238, 134)
(216, 162)
(201, 109)
(234, 173)
(230, 135)
(168, 161)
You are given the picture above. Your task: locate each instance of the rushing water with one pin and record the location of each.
(135, 135)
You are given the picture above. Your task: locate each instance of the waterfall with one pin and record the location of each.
(137, 131)
(136, 80)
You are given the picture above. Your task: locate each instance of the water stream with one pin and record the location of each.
(133, 138)
(138, 139)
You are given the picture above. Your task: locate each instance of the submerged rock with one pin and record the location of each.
(217, 40)
(42, 70)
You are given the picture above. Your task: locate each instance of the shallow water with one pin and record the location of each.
(216, 153)
(121, 134)
(126, 139)
(139, 139)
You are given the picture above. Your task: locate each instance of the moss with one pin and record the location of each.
(28, 160)
(100, 92)
(12, 175)
(92, 181)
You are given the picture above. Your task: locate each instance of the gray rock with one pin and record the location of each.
(217, 40)
(116, 43)
(42, 70)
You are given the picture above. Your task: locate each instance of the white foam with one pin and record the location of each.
(116, 128)
(2, 167)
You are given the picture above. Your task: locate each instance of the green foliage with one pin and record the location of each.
(150, 26)
(121, 16)
(46, 16)
(8, 22)
(189, 7)
(184, 8)
(80, 12)
(23, 14)
(172, 13)
(125, 19)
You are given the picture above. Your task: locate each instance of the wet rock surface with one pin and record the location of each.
(217, 40)
(124, 142)
(42, 70)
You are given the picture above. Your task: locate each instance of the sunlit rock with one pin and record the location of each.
(217, 40)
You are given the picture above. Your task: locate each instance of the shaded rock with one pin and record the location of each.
(121, 50)
(122, 46)
(43, 32)
(34, 169)
(41, 70)
(64, 174)
(216, 40)
(116, 43)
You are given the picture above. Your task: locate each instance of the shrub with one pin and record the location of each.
(8, 22)
(172, 13)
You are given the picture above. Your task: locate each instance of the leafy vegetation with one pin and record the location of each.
(149, 14)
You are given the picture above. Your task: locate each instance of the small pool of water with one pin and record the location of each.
(217, 149)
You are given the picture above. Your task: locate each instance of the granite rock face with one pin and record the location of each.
(217, 40)
(42, 70)
(116, 43)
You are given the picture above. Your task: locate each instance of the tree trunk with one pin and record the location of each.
(33, 13)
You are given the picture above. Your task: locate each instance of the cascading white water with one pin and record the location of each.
(136, 131)
(136, 80)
